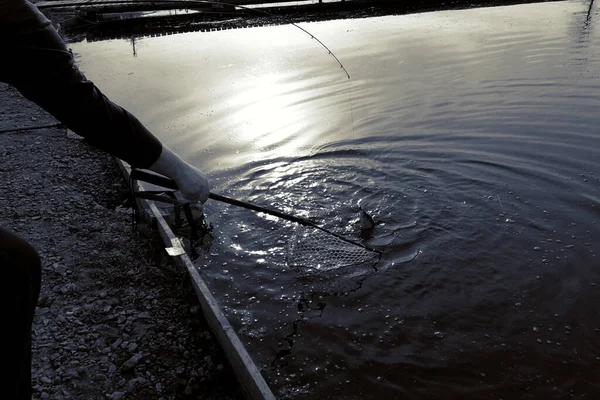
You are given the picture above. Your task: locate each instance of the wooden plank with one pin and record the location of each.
(247, 373)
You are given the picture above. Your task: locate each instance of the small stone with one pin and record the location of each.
(189, 389)
(439, 335)
(132, 362)
(99, 377)
(112, 368)
(72, 373)
(132, 384)
(535, 329)
(44, 395)
(143, 315)
(116, 396)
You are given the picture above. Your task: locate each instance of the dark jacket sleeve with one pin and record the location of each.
(37, 63)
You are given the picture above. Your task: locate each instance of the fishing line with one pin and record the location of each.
(352, 109)
(188, 2)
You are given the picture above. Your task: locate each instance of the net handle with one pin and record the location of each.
(170, 184)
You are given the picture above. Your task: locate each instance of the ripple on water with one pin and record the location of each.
(471, 138)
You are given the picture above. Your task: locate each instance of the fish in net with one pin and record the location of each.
(316, 250)
(312, 248)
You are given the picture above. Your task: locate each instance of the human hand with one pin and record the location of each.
(192, 184)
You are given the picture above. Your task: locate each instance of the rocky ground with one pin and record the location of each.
(116, 319)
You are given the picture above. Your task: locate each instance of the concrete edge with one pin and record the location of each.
(247, 373)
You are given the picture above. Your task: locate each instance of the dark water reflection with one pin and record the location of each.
(472, 136)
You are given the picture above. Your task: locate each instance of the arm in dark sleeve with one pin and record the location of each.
(39, 65)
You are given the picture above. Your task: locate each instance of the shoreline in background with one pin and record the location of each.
(93, 25)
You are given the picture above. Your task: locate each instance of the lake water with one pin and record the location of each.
(472, 137)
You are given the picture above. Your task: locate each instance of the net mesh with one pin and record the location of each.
(312, 249)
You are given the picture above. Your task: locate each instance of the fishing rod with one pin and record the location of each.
(30, 128)
(168, 183)
(192, 2)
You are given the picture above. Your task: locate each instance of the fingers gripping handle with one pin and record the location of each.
(154, 179)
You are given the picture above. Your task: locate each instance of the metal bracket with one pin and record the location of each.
(169, 197)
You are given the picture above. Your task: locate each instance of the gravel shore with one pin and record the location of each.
(116, 319)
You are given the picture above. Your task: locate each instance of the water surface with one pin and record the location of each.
(472, 138)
